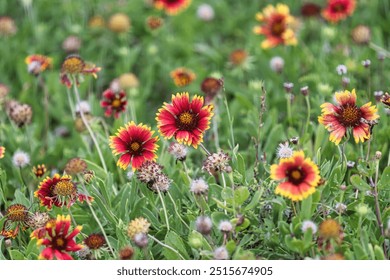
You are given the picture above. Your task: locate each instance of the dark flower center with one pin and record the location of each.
(17, 212)
(187, 121)
(278, 26)
(135, 146)
(94, 241)
(350, 116)
(295, 176)
(59, 243)
(338, 8)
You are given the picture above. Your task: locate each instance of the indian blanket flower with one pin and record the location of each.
(73, 66)
(184, 120)
(346, 114)
(59, 191)
(37, 63)
(136, 145)
(39, 170)
(182, 76)
(16, 216)
(113, 102)
(299, 176)
(172, 7)
(337, 10)
(2, 151)
(385, 99)
(276, 26)
(95, 241)
(59, 240)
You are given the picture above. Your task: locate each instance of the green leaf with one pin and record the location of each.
(244, 225)
(16, 255)
(359, 251)
(175, 241)
(217, 217)
(254, 201)
(106, 212)
(378, 251)
(385, 179)
(358, 183)
(241, 166)
(306, 208)
(231, 247)
(241, 195)
(20, 198)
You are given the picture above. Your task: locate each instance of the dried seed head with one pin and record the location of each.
(221, 253)
(75, 166)
(199, 186)
(361, 34)
(179, 151)
(71, 44)
(161, 183)
(277, 64)
(126, 253)
(205, 12)
(138, 225)
(225, 226)
(141, 240)
(38, 220)
(20, 114)
(204, 225)
(88, 176)
(7, 26)
(149, 171)
(216, 162)
(119, 23)
(20, 159)
(306, 225)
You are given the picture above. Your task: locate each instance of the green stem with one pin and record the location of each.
(215, 128)
(289, 117)
(308, 114)
(164, 208)
(177, 212)
(76, 91)
(166, 246)
(230, 124)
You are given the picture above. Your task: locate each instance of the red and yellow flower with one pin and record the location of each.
(37, 63)
(299, 176)
(59, 191)
(2, 151)
(385, 100)
(39, 170)
(182, 76)
(136, 145)
(276, 26)
(113, 102)
(337, 10)
(16, 216)
(59, 239)
(172, 7)
(184, 120)
(346, 114)
(73, 66)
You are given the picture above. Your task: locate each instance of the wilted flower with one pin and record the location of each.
(138, 225)
(154, 22)
(37, 63)
(20, 114)
(20, 159)
(284, 150)
(73, 66)
(199, 186)
(179, 151)
(71, 44)
(88, 176)
(38, 220)
(277, 64)
(217, 162)
(126, 253)
(7, 26)
(204, 225)
(205, 12)
(211, 87)
(221, 253)
(306, 225)
(75, 166)
(119, 23)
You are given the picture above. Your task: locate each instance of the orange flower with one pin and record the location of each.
(186, 121)
(37, 63)
(338, 118)
(59, 240)
(74, 65)
(59, 191)
(2, 151)
(182, 76)
(276, 26)
(172, 7)
(300, 176)
(337, 10)
(135, 143)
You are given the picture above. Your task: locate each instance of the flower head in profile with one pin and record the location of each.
(346, 114)
(184, 120)
(211, 87)
(73, 66)
(113, 102)
(39, 170)
(337, 10)
(2, 151)
(59, 240)
(16, 216)
(37, 63)
(298, 176)
(385, 99)
(135, 143)
(59, 191)
(182, 76)
(172, 7)
(276, 26)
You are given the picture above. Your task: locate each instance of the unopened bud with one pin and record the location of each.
(343, 187)
(378, 155)
(305, 90)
